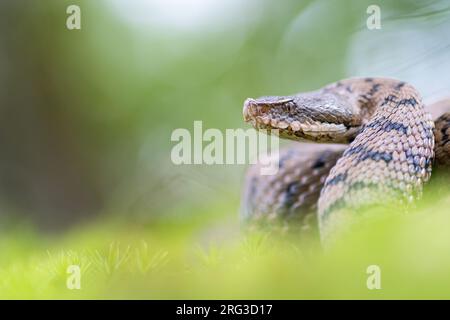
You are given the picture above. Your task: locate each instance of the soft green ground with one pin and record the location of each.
(207, 257)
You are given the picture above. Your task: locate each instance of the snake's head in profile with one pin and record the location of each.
(315, 116)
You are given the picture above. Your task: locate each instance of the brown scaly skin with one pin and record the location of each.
(389, 159)
(442, 137)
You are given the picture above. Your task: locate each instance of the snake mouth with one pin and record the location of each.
(283, 113)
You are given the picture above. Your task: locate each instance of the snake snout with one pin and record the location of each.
(254, 108)
(249, 109)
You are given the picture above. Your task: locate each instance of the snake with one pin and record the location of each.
(366, 143)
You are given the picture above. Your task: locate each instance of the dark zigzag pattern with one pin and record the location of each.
(387, 125)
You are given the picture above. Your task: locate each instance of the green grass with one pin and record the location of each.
(207, 257)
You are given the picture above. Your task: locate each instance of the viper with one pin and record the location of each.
(372, 143)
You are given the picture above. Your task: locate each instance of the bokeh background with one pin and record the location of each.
(86, 118)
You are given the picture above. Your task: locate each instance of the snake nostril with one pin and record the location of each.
(263, 107)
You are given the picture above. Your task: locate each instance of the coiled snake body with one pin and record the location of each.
(390, 154)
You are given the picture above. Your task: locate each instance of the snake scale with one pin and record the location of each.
(377, 147)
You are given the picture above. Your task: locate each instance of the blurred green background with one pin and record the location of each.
(86, 118)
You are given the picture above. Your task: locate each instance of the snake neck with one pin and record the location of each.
(389, 159)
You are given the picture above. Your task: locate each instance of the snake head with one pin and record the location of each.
(316, 116)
